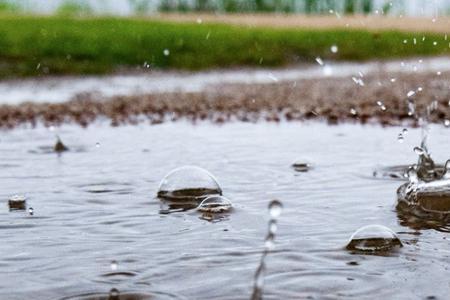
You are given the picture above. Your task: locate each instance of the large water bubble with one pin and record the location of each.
(215, 204)
(373, 239)
(302, 165)
(188, 183)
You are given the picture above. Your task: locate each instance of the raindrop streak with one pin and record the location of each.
(275, 208)
(319, 61)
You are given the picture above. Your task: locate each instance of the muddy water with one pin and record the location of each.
(95, 204)
(60, 89)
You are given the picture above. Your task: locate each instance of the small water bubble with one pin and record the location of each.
(166, 52)
(215, 204)
(97, 145)
(400, 138)
(334, 49)
(31, 211)
(405, 131)
(275, 208)
(114, 265)
(319, 61)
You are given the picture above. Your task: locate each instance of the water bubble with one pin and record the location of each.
(97, 145)
(404, 130)
(275, 208)
(215, 204)
(319, 61)
(410, 94)
(166, 52)
(17, 202)
(372, 239)
(334, 49)
(31, 211)
(188, 183)
(114, 265)
(400, 138)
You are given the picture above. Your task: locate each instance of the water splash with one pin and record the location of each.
(275, 208)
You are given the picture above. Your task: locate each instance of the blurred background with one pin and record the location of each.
(130, 7)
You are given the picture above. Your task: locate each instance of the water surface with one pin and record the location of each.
(95, 204)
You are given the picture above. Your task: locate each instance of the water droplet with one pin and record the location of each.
(319, 61)
(188, 183)
(447, 123)
(334, 49)
(419, 89)
(17, 202)
(410, 94)
(215, 204)
(419, 150)
(114, 265)
(114, 294)
(405, 41)
(434, 43)
(166, 52)
(405, 131)
(400, 138)
(275, 208)
(302, 165)
(372, 239)
(31, 211)
(353, 111)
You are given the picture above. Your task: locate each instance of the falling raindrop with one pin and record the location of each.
(114, 265)
(31, 211)
(419, 150)
(410, 94)
(334, 49)
(353, 111)
(327, 70)
(438, 73)
(275, 208)
(405, 131)
(97, 145)
(447, 123)
(319, 61)
(393, 79)
(373, 239)
(166, 52)
(434, 43)
(419, 89)
(405, 41)
(400, 138)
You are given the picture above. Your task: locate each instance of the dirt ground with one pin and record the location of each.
(376, 99)
(373, 22)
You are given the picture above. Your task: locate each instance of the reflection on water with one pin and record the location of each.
(97, 206)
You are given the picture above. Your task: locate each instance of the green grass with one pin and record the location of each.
(61, 45)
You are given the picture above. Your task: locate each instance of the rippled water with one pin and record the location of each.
(96, 224)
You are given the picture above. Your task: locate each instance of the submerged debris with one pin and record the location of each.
(59, 146)
(17, 202)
